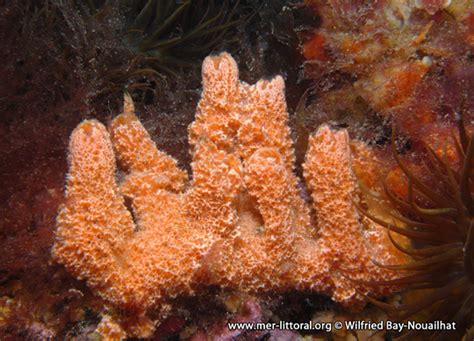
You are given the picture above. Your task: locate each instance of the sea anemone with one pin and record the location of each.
(138, 44)
(171, 33)
(438, 218)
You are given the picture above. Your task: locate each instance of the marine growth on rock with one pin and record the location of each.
(240, 222)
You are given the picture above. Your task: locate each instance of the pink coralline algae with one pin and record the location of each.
(240, 223)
